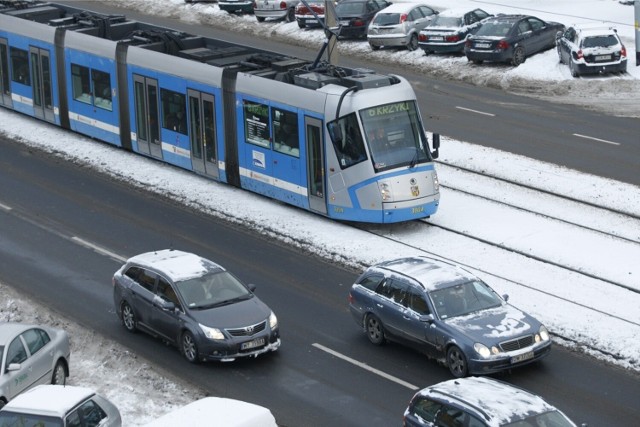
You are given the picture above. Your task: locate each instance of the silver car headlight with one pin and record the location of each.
(211, 333)
(273, 321)
(542, 335)
(484, 351)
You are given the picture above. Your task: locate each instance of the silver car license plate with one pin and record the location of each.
(522, 357)
(252, 344)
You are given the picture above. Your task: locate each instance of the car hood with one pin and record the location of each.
(495, 325)
(239, 314)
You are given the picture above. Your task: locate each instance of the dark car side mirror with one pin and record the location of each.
(427, 318)
(164, 304)
(505, 297)
(558, 35)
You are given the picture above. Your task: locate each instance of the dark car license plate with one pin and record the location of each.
(522, 357)
(603, 57)
(252, 344)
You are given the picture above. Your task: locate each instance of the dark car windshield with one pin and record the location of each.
(464, 298)
(552, 418)
(213, 289)
(495, 29)
(600, 41)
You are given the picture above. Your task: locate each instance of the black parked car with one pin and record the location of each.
(447, 313)
(449, 30)
(195, 304)
(511, 38)
(354, 16)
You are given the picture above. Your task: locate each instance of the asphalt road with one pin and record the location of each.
(52, 212)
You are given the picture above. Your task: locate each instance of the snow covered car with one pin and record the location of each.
(398, 25)
(275, 9)
(511, 38)
(589, 49)
(31, 355)
(354, 16)
(195, 304)
(236, 6)
(63, 406)
(447, 313)
(449, 30)
(480, 402)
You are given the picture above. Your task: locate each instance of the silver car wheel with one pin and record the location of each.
(189, 347)
(59, 374)
(457, 362)
(413, 42)
(128, 317)
(518, 56)
(374, 330)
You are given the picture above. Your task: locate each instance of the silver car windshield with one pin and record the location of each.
(212, 290)
(394, 135)
(464, 298)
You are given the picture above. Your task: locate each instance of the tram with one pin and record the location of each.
(345, 143)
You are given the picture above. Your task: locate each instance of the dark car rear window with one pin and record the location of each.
(446, 21)
(499, 29)
(602, 41)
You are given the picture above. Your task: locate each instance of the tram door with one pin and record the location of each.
(41, 84)
(5, 88)
(315, 165)
(202, 133)
(147, 117)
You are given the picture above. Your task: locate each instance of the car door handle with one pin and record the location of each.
(379, 305)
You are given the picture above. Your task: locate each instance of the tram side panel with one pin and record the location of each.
(28, 73)
(176, 111)
(273, 151)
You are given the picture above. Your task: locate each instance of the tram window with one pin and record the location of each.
(102, 89)
(80, 83)
(256, 123)
(285, 132)
(348, 142)
(174, 111)
(20, 66)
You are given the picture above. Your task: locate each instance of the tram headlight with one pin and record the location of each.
(436, 183)
(385, 191)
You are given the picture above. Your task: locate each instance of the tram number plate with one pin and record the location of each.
(522, 357)
(483, 45)
(603, 57)
(252, 344)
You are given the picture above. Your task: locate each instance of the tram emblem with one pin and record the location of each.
(415, 190)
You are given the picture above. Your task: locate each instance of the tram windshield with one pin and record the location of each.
(394, 135)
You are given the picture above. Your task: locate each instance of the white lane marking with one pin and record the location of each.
(596, 139)
(366, 367)
(476, 111)
(98, 249)
(5, 207)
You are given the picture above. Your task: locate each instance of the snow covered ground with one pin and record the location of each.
(100, 363)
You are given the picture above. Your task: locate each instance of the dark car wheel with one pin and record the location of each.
(128, 317)
(373, 47)
(291, 15)
(189, 347)
(457, 362)
(300, 24)
(560, 56)
(413, 42)
(573, 69)
(518, 56)
(59, 376)
(260, 18)
(375, 332)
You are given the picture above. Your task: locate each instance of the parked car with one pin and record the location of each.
(217, 412)
(511, 38)
(449, 30)
(398, 25)
(236, 6)
(480, 402)
(195, 304)
(275, 9)
(31, 355)
(354, 16)
(63, 406)
(589, 49)
(304, 16)
(446, 312)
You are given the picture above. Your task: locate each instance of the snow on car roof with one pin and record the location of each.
(432, 273)
(399, 7)
(500, 401)
(457, 12)
(177, 265)
(217, 411)
(51, 400)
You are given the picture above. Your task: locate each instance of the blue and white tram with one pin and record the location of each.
(348, 144)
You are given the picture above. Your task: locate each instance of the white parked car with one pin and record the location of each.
(589, 49)
(31, 355)
(60, 406)
(398, 25)
(275, 9)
